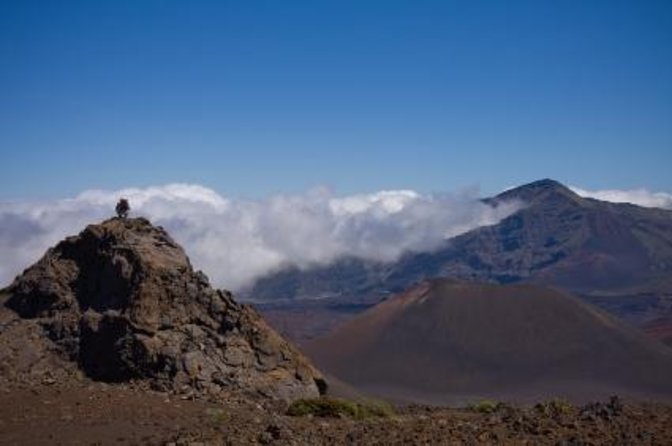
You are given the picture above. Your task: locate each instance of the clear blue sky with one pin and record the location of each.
(259, 97)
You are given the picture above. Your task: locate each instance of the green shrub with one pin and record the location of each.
(484, 406)
(338, 408)
(556, 406)
(216, 415)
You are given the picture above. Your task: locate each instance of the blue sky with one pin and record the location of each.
(261, 97)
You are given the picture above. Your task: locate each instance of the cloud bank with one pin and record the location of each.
(236, 241)
(640, 197)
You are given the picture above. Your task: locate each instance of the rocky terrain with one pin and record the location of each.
(120, 302)
(103, 414)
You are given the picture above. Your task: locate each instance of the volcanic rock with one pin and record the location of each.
(122, 302)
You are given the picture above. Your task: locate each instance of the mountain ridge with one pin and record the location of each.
(586, 246)
(563, 216)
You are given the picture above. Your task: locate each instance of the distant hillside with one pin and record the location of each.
(606, 252)
(445, 341)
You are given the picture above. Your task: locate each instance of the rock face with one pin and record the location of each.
(122, 301)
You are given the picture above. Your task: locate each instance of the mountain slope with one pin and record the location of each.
(448, 341)
(559, 238)
(589, 247)
(121, 303)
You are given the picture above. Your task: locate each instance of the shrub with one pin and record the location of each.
(338, 408)
(216, 415)
(556, 406)
(484, 406)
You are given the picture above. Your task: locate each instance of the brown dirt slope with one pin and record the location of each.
(446, 341)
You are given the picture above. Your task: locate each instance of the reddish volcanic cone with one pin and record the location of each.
(447, 342)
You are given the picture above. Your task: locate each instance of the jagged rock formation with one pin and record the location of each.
(122, 301)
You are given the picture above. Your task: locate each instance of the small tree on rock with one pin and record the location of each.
(123, 208)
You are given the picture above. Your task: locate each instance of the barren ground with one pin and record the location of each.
(86, 413)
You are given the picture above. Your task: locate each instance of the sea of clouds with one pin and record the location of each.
(640, 197)
(235, 241)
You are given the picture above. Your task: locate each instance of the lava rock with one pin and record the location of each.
(122, 301)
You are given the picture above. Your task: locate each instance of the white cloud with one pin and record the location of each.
(236, 241)
(640, 197)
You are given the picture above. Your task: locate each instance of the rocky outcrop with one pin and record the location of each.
(123, 302)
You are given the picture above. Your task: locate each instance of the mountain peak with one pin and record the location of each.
(545, 183)
(123, 302)
(539, 190)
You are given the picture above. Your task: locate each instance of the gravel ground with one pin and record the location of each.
(86, 413)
